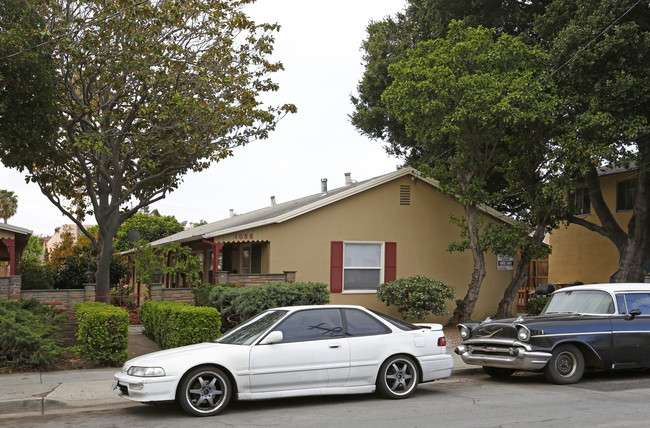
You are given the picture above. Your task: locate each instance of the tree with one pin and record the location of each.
(150, 228)
(149, 92)
(389, 40)
(28, 85)
(600, 51)
(472, 95)
(8, 204)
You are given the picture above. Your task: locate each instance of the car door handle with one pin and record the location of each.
(335, 345)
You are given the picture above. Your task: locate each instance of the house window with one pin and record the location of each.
(579, 201)
(361, 266)
(625, 195)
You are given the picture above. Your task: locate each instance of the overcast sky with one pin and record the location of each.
(319, 45)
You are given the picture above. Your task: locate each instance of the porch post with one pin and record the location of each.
(11, 248)
(215, 259)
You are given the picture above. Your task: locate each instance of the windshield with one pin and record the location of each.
(247, 333)
(580, 302)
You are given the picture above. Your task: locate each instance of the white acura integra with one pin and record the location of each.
(292, 351)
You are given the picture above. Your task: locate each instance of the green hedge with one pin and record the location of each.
(30, 335)
(103, 332)
(172, 324)
(238, 303)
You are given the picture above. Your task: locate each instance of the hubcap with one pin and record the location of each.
(399, 376)
(565, 364)
(205, 392)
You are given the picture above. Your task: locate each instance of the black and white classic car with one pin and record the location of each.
(585, 327)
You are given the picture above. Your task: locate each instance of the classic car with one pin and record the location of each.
(585, 327)
(292, 351)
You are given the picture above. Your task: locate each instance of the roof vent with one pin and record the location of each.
(232, 212)
(272, 201)
(348, 179)
(323, 186)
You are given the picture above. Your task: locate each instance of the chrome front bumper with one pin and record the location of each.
(508, 358)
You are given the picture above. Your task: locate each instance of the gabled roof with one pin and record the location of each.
(15, 229)
(286, 211)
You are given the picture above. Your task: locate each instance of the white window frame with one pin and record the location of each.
(382, 262)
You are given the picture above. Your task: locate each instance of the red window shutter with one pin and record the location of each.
(390, 261)
(336, 267)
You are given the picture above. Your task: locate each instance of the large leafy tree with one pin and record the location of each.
(389, 40)
(150, 90)
(472, 96)
(8, 204)
(601, 50)
(28, 83)
(148, 227)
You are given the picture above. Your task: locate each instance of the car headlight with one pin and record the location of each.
(523, 334)
(146, 371)
(464, 331)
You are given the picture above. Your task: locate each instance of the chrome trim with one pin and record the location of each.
(492, 341)
(524, 360)
(572, 334)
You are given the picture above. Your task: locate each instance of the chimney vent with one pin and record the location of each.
(232, 212)
(348, 179)
(323, 186)
(272, 201)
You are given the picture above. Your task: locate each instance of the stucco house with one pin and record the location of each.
(352, 238)
(585, 256)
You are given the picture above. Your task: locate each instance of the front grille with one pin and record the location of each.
(486, 349)
(123, 389)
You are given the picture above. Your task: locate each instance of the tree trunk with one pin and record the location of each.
(505, 305)
(107, 231)
(634, 246)
(465, 307)
(519, 280)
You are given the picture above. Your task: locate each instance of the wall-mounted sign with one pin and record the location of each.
(504, 262)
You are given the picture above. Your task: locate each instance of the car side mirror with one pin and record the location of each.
(633, 313)
(275, 336)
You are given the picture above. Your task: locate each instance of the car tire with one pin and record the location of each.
(398, 377)
(498, 372)
(566, 366)
(204, 391)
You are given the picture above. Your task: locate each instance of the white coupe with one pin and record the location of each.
(288, 352)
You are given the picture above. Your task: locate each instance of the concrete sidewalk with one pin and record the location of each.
(39, 393)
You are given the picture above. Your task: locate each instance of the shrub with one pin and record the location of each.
(30, 335)
(103, 332)
(202, 294)
(34, 275)
(173, 324)
(535, 306)
(238, 304)
(416, 297)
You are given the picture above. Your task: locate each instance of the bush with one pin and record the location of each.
(237, 304)
(416, 297)
(173, 324)
(103, 333)
(535, 306)
(35, 276)
(202, 294)
(30, 335)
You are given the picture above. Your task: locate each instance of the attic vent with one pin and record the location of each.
(404, 194)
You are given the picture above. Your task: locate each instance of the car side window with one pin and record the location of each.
(359, 323)
(639, 301)
(312, 325)
(620, 302)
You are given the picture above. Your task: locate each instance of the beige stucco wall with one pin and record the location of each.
(579, 254)
(422, 231)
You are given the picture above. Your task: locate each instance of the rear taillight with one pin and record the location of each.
(442, 341)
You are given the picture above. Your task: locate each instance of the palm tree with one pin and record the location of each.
(8, 204)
